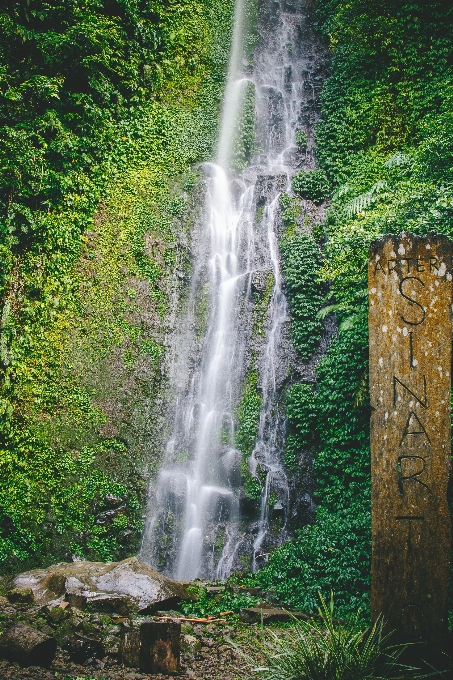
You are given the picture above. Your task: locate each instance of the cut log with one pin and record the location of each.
(81, 649)
(28, 646)
(160, 647)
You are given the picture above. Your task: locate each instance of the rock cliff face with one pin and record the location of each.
(223, 497)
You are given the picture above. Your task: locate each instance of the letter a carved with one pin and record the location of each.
(407, 432)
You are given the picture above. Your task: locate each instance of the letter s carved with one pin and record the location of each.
(411, 301)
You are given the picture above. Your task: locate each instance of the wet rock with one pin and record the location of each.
(28, 646)
(108, 516)
(112, 501)
(112, 585)
(80, 649)
(20, 596)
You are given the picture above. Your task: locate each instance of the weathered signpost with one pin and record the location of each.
(410, 289)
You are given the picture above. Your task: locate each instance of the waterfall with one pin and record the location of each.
(196, 525)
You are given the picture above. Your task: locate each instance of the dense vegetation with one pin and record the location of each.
(102, 102)
(105, 105)
(386, 145)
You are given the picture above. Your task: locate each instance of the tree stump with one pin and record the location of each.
(160, 647)
(28, 646)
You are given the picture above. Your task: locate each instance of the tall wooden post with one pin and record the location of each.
(410, 289)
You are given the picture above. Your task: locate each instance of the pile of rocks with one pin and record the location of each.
(92, 611)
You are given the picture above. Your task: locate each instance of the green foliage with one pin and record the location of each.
(244, 133)
(290, 212)
(327, 650)
(247, 419)
(67, 518)
(312, 185)
(301, 417)
(207, 604)
(248, 415)
(301, 263)
(301, 138)
(104, 106)
(337, 549)
(261, 301)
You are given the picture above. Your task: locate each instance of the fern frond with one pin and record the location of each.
(325, 311)
(360, 203)
(344, 189)
(397, 159)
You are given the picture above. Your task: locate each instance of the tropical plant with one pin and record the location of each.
(324, 649)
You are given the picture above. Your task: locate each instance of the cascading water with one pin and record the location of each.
(196, 524)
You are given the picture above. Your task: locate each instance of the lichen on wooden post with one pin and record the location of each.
(410, 290)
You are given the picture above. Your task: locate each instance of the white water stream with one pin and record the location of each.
(194, 526)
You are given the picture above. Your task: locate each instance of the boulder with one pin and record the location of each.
(28, 646)
(82, 648)
(113, 587)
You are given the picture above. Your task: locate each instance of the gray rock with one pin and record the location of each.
(112, 586)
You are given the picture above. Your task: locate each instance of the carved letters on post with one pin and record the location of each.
(410, 289)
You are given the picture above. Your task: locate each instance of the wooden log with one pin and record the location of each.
(28, 646)
(160, 647)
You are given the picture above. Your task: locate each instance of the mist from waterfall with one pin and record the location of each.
(195, 525)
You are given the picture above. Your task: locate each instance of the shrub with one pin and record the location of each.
(301, 263)
(301, 138)
(312, 185)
